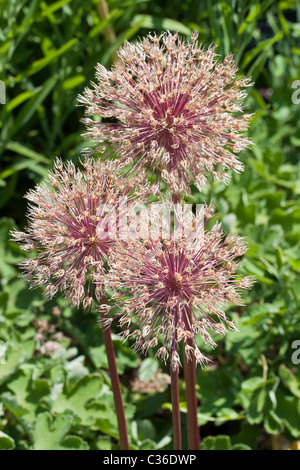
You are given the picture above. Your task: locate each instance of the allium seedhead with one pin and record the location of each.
(171, 106)
(174, 287)
(73, 221)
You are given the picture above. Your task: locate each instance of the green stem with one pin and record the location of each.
(109, 32)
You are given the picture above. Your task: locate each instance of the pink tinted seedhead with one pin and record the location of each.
(174, 287)
(170, 107)
(74, 217)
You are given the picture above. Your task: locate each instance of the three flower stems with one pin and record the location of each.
(191, 399)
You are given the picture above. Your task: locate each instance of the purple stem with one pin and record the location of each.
(114, 377)
(191, 401)
(175, 410)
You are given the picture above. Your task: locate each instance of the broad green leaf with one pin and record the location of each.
(228, 414)
(77, 401)
(27, 395)
(254, 383)
(240, 447)
(51, 434)
(15, 355)
(216, 443)
(148, 368)
(257, 406)
(6, 442)
(76, 369)
(272, 423)
(289, 380)
(289, 413)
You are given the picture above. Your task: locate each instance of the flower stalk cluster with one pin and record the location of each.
(175, 285)
(169, 107)
(73, 218)
(171, 111)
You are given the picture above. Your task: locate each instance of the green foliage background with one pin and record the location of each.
(249, 397)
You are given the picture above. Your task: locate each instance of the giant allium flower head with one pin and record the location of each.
(171, 106)
(174, 284)
(74, 217)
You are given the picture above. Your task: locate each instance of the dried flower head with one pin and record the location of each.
(174, 285)
(171, 106)
(73, 218)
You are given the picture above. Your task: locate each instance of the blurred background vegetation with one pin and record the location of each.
(54, 388)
